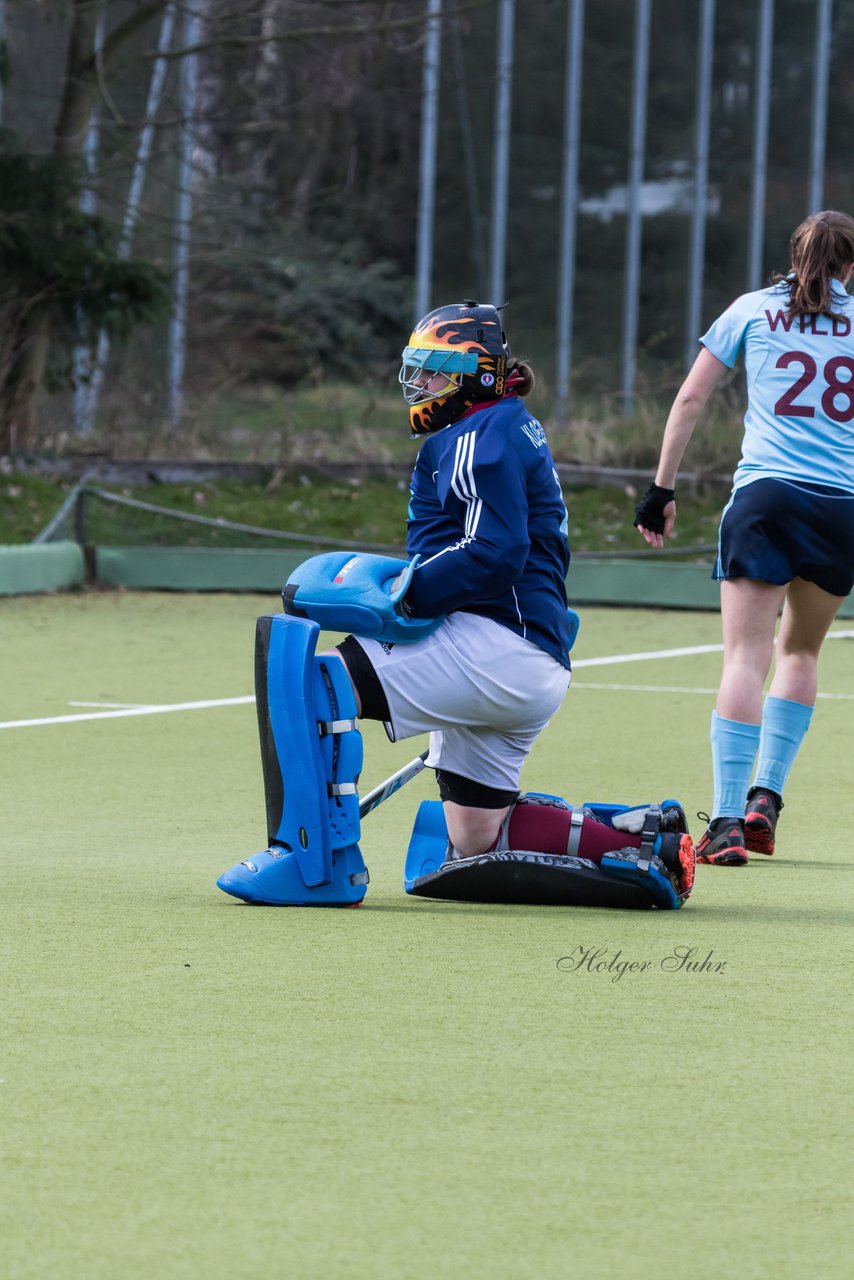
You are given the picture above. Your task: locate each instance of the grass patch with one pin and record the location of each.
(369, 510)
(296, 432)
(357, 509)
(266, 423)
(261, 424)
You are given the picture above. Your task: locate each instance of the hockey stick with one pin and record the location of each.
(392, 784)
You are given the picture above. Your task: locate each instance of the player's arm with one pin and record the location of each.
(690, 401)
(655, 514)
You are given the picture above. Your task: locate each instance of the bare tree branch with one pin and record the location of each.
(308, 33)
(128, 26)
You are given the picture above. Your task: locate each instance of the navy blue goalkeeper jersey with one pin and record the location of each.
(487, 516)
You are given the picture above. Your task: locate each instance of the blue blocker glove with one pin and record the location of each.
(359, 592)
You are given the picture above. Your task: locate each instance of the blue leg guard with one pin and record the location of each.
(508, 876)
(659, 874)
(311, 752)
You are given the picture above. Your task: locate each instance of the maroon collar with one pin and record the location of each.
(486, 404)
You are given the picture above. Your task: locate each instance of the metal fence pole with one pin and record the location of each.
(762, 108)
(427, 176)
(501, 156)
(569, 209)
(633, 201)
(815, 198)
(183, 223)
(701, 179)
(80, 517)
(2, 39)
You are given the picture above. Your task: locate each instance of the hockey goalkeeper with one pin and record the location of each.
(469, 641)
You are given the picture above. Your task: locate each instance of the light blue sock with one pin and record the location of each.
(784, 725)
(733, 752)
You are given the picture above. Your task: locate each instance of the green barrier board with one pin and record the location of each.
(27, 569)
(195, 568)
(53, 566)
(635, 582)
(217, 569)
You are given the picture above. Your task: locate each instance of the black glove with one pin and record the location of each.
(404, 608)
(650, 510)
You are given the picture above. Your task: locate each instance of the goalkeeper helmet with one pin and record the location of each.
(457, 356)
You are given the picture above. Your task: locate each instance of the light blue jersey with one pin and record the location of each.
(799, 423)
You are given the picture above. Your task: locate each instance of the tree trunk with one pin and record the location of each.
(30, 338)
(78, 93)
(269, 83)
(22, 378)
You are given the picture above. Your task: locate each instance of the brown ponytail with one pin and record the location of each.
(520, 378)
(822, 249)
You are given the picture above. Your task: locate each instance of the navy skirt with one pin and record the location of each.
(776, 530)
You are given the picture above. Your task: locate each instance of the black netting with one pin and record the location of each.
(97, 517)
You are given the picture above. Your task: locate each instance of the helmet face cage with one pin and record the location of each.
(433, 373)
(457, 356)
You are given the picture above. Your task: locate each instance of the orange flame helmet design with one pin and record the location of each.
(456, 356)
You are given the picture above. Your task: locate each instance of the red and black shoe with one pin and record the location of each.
(760, 823)
(676, 850)
(722, 845)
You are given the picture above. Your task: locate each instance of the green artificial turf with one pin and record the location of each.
(196, 1088)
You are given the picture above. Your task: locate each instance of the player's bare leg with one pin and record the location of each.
(473, 831)
(807, 616)
(748, 615)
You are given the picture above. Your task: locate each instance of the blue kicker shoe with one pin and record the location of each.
(273, 878)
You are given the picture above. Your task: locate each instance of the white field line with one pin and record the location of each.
(651, 655)
(675, 688)
(111, 704)
(129, 711)
(578, 663)
(639, 688)
(166, 708)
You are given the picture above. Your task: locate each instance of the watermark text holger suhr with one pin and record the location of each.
(679, 959)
